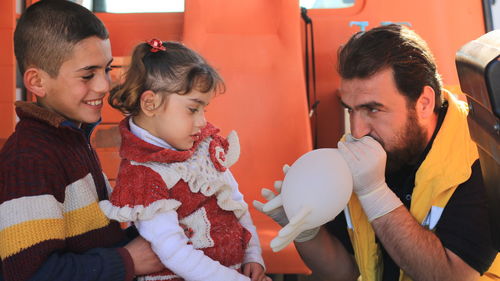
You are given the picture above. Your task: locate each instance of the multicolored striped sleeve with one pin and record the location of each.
(31, 228)
(39, 233)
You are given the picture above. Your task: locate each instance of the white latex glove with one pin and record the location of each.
(274, 209)
(366, 159)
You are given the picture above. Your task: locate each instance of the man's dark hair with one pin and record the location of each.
(49, 29)
(396, 47)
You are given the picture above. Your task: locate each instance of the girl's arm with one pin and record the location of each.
(169, 242)
(253, 253)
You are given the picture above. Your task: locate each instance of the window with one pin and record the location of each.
(326, 4)
(135, 6)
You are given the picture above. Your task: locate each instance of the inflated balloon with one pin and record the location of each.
(315, 190)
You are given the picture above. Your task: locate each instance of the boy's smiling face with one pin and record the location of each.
(83, 80)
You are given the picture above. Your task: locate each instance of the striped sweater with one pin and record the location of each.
(51, 227)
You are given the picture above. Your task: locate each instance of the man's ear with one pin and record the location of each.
(149, 102)
(425, 103)
(33, 79)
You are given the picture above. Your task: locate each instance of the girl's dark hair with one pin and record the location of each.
(177, 69)
(396, 47)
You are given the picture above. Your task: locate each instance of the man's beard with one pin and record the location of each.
(410, 144)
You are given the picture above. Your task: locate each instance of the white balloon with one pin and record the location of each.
(315, 190)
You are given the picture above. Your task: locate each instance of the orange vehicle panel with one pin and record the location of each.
(126, 30)
(7, 70)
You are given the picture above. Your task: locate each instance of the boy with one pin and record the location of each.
(51, 227)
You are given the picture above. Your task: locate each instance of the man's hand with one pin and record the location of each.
(274, 209)
(278, 213)
(145, 260)
(255, 271)
(366, 159)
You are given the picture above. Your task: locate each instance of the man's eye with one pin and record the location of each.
(88, 77)
(374, 110)
(108, 69)
(193, 110)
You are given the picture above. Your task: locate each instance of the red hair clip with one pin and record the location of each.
(156, 45)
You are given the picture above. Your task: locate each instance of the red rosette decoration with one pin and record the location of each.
(217, 149)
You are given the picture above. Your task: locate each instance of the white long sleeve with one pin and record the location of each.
(253, 253)
(169, 242)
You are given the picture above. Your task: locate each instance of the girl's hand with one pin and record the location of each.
(255, 271)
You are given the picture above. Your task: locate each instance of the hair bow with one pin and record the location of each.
(156, 45)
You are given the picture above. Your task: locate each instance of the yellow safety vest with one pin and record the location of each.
(436, 179)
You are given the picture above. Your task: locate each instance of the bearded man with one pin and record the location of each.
(419, 210)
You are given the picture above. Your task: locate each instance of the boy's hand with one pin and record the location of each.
(145, 260)
(255, 271)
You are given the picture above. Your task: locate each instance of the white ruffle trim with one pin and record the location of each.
(139, 212)
(201, 175)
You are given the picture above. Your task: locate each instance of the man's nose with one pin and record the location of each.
(359, 126)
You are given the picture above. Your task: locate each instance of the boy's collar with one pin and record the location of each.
(86, 128)
(33, 110)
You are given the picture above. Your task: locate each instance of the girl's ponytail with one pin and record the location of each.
(126, 97)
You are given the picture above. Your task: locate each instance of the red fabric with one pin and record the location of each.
(137, 185)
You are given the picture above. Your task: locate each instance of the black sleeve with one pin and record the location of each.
(338, 227)
(464, 226)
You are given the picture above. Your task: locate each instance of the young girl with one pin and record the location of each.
(174, 183)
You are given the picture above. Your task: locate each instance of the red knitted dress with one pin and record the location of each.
(154, 179)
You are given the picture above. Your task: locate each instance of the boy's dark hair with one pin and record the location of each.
(48, 30)
(396, 47)
(174, 70)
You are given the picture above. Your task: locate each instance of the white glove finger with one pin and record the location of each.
(289, 233)
(286, 167)
(367, 139)
(280, 242)
(299, 218)
(268, 194)
(372, 144)
(258, 205)
(358, 149)
(350, 138)
(346, 153)
(373, 149)
(289, 230)
(278, 185)
(273, 204)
